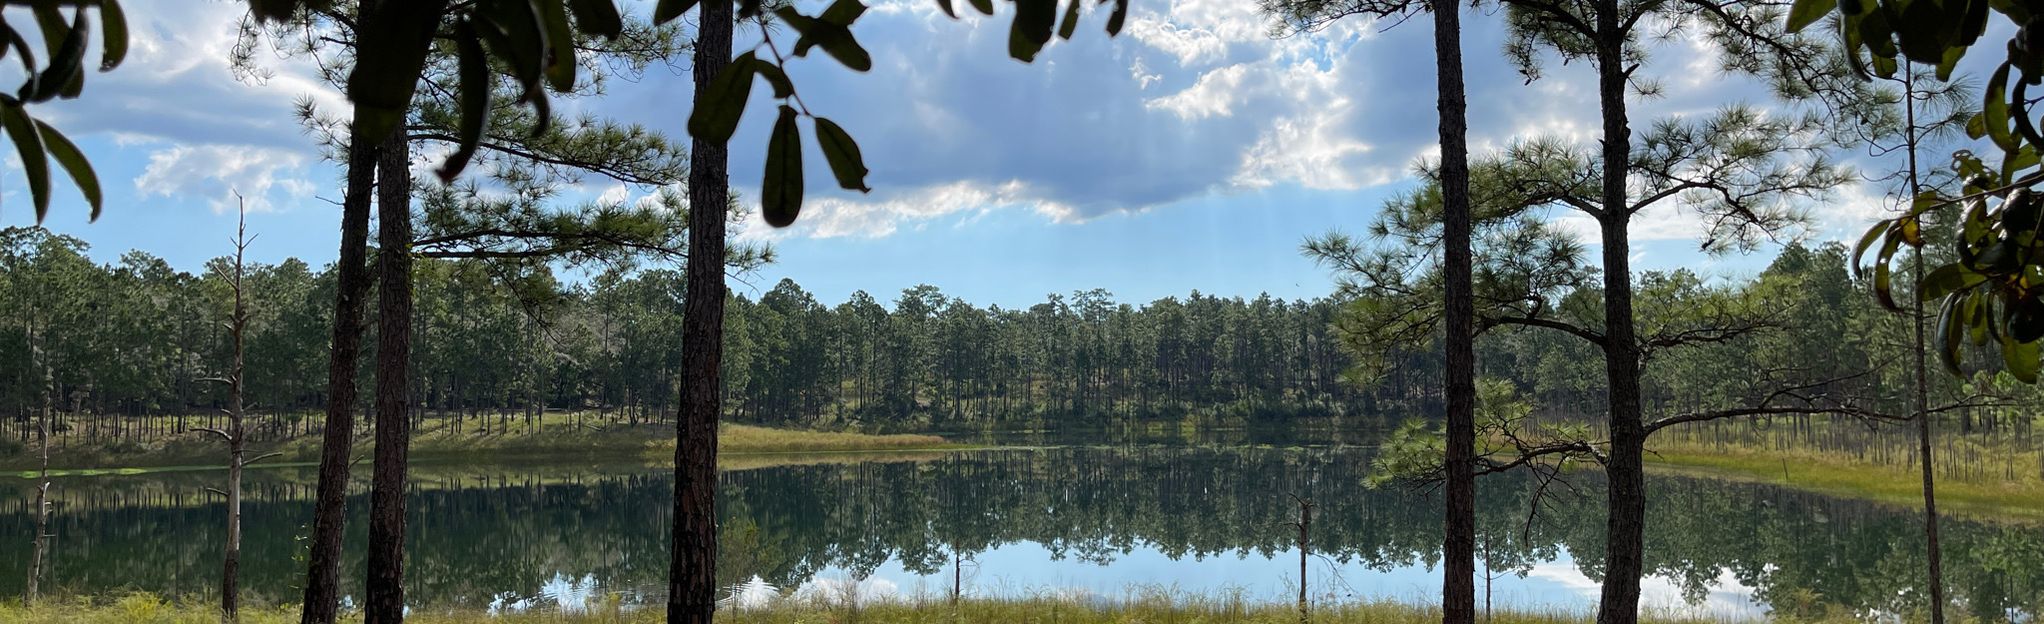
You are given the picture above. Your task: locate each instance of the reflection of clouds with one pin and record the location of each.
(567, 594)
(1726, 596)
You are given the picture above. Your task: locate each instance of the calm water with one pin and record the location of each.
(1101, 523)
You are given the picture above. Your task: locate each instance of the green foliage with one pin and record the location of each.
(62, 77)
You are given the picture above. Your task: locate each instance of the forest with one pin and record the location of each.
(1494, 320)
(491, 348)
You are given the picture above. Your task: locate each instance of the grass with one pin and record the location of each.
(1157, 608)
(737, 444)
(1846, 475)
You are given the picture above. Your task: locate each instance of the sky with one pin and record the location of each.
(1193, 152)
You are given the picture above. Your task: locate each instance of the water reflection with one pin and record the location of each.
(1084, 522)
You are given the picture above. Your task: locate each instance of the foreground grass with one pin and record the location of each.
(739, 444)
(1160, 609)
(1845, 475)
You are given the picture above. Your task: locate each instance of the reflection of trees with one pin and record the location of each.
(478, 534)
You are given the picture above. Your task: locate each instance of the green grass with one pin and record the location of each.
(1845, 475)
(654, 444)
(1148, 608)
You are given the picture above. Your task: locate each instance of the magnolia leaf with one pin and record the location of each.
(74, 163)
(560, 43)
(599, 17)
(34, 163)
(2021, 359)
(1807, 12)
(474, 70)
(781, 192)
(113, 27)
(843, 154)
(783, 88)
(716, 114)
(667, 10)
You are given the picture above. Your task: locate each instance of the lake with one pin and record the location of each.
(1085, 522)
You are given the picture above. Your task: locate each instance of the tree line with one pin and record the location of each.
(128, 349)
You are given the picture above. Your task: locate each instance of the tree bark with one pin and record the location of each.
(691, 584)
(385, 588)
(1626, 471)
(1458, 546)
(323, 571)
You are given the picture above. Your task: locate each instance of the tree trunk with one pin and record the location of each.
(691, 576)
(1626, 491)
(323, 571)
(237, 438)
(1930, 500)
(42, 490)
(385, 588)
(1458, 546)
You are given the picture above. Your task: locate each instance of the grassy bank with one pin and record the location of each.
(144, 609)
(646, 443)
(1989, 495)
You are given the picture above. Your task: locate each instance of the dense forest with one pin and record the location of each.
(126, 350)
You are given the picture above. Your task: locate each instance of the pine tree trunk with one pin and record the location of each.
(1930, 499)
(385, 588)
(1458, 568)
(322, 578)
(1626, 491)
(691, 580)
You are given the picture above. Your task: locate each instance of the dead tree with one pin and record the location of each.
(1305, 526)
(42, 490)
(235, 435)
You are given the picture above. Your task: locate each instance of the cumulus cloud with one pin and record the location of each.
(832, 217)
(216, 173)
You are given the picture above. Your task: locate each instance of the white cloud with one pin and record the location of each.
(831, 217)
(217, 172)
(1214, 95)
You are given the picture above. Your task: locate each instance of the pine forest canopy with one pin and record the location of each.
(923, 361)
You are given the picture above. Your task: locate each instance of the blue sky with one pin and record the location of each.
(1192, 152)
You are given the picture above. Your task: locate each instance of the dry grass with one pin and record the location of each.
(1149, 609)
(1845, 475)
(653, 444)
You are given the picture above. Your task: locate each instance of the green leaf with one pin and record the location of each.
(783, 88)
(1034, 20)
(1807, 12)
(1115, 18)
(835, 39)
(1946, 280)
(1883, 290)
(1951, 332)
(74, 163)
(1859, 252)
(843, 154)
(948, 9)
(29, 143)
(781, 192)
(985, 7)
(560, 43)
(667, 10)
(1071, 21)
(598, 17)
(842, 12)
(474, 72)
(113, 27)
(2021, 359)
(716, 115)
(1994, 109)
